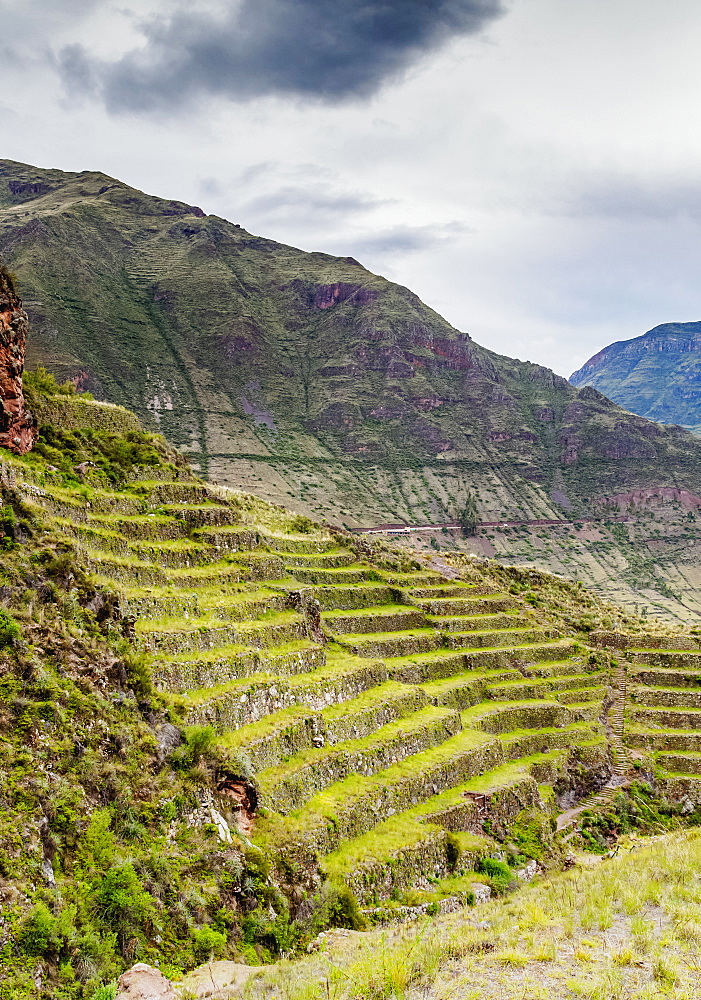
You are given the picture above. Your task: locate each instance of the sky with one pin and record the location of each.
(530, 168)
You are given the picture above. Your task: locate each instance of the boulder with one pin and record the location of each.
(143, 982)
(218, 980)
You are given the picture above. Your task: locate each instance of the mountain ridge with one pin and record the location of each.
(308, 380)
(656, 375)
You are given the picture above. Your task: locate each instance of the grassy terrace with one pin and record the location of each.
(354, 805)
(663, 716)
(289, 785)
(374, 726)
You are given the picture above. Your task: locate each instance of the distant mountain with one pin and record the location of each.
(657, 376)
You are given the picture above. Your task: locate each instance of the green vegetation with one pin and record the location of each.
(467, 514)
(101, 863)
(41, 383)
(246, 728)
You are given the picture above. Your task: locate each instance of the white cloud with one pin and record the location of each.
(538, 186)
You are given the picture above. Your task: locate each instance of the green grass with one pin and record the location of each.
(387, 692)
(379, 609)
(381, 845)
(356, 788)
(368, 637)
(428, 716)
(266, 727)
(181, 624)
(551, 941)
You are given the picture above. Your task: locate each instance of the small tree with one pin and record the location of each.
(467, 515)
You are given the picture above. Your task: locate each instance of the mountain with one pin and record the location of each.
(657, 375)
(307, 379)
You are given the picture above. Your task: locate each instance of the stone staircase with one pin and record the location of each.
(393, 718)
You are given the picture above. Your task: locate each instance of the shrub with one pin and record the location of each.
(304, 525)
(199, 741)
(452, 851)
(107, 992)
(340, 908)
(270, 935)
(41, 382)
(8, 526)
(138, 669)
(500, 875)
(120, 899)
(39, 931)
(207, 943)
(9, 630)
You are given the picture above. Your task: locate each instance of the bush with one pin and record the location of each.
(269, 935)
(199, 741)
(207, 943)
(304, 525)
(111, 454)
(8, 526)
(9, 630)
(108, 992)
(453, 851)
(42, 383)
(341, 909)
(39, 932)
(121, 901)
(500, 875)
(138, 670)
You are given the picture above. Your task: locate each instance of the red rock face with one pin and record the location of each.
(326, 296)
(654, 496)
(18, 430)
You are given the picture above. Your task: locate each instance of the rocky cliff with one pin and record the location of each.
(657, 375)
(17, 425)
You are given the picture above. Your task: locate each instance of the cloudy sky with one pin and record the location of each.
(531, 168)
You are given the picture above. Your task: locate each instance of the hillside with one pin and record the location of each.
(306, 379)
(657, 376)
(227, 727)
(626, 928)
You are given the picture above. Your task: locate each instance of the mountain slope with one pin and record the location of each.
(308, 380)
(657, 375)
(175, 655)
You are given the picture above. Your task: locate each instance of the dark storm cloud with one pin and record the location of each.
(326, 49)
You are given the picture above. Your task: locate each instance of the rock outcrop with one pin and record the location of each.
(222, 980)
(17, 425)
